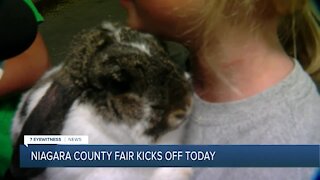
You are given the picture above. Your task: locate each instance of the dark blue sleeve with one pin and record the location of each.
(18, 28)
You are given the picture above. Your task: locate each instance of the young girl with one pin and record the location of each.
(249, 64)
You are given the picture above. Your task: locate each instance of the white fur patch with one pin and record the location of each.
(51, 72)
(34, 99)
(83, 119)
(108, 26)
(115, 31)
(116, 34)
(117, 173)
(142, 47)
(174, 136)
(172, 174)
(97, 173)
(187, 76)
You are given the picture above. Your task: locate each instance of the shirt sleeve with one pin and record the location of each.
(38, 16)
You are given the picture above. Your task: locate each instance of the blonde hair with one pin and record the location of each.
(299, 33)
(299, 29)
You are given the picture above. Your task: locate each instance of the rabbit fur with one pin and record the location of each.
(118, 86)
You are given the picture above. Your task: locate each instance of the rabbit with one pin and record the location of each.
(118, 86)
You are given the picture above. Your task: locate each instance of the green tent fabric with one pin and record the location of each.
(8, 107)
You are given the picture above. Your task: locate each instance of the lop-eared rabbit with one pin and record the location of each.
(117, 86)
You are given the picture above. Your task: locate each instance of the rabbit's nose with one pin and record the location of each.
(176, 118)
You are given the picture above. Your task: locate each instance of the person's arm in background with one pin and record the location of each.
(22, 71)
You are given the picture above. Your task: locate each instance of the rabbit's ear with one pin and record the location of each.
(112, 29)
(109, 26)
(46, 118)
(86, 44)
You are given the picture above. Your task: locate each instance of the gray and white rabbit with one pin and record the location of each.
(118, 86)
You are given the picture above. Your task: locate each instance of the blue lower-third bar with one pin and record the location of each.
(169, 156)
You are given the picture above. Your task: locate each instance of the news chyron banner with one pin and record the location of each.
(75, 151)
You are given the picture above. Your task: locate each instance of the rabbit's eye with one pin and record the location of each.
(115, 86)
(119, 87)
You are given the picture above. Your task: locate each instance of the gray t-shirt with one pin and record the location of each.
(287, 113)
